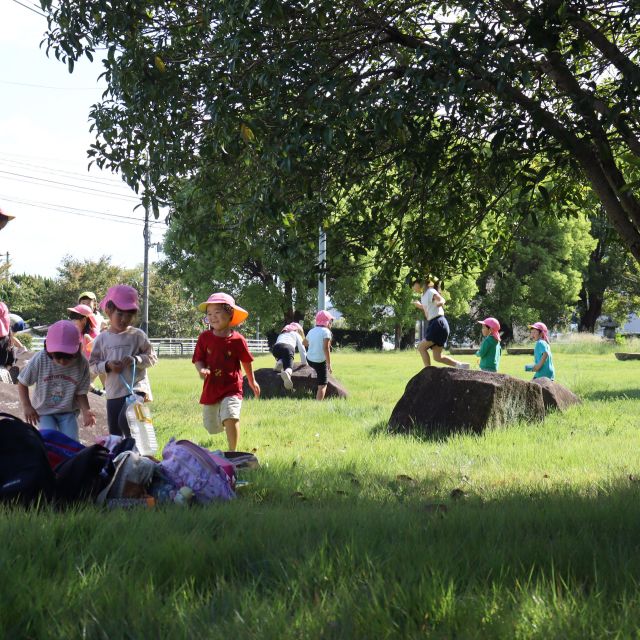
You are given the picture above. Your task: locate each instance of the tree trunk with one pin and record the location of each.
(592, 309)
(408, 339)
(289, 313)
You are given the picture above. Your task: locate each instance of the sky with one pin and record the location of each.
(60, 208)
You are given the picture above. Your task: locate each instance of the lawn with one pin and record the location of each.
(347, 532)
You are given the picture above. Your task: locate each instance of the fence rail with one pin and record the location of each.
(175, 346)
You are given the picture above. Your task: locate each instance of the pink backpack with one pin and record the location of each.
(210, 476)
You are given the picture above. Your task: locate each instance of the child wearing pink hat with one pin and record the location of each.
(319, 350)
(123, 354)
(7, 351)
(220, 352)
(61, 375)
(543, 362)
(489, 352)
(291, 338)
(82, 316)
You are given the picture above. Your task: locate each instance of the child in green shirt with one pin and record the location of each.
(489, 352)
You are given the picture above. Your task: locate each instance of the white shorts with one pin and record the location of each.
(213, 415)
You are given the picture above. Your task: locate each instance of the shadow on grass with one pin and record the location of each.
(314, 550)
(612, 394)
(419, 434)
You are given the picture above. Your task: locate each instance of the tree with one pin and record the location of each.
(539, 277)
(418, 104)
(611, 280)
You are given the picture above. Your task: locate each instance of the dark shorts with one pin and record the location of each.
(438, 331)
(321, 371)
(283, 352)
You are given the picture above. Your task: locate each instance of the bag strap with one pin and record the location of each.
(133, 378)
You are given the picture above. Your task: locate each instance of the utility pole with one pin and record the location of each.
(145, 285)
(322, 273)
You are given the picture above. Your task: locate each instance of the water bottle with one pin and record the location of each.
(141, 427)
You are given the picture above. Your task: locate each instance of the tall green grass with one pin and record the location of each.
(346, 532)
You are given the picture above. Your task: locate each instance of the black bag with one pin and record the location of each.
(25, 474)
(84, 476)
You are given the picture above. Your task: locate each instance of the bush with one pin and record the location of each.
(26, 339)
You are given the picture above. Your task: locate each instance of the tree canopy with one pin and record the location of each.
(404, 123)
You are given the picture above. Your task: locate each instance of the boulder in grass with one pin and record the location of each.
(556, 396)
(10, 403)
(305, 384)
(628, 356)
(441, 401)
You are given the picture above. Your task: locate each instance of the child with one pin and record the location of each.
(89, 299)
(319, 350)
(82, 316)
(217, 357)
(489, 352)
(290, 338)
(123, 353)
(7, 345)
(432, 303)
(543, 365)
(61, 375)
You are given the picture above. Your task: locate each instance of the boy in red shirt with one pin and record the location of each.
(218, 355)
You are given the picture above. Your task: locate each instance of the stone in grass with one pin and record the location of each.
(556, 396)
(304, 384)
(441, 401)
(10, 403)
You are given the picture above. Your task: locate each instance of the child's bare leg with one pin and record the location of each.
(439, 357)
(232, 428)
(322, 390)
(423, 350)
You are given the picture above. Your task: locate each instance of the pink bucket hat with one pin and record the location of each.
(494, 325)
(85, 311)
(292, 326)
(123, 296)
(542, 328)
(63, 336)
(323, 318)
(5, 320)
(239, 314)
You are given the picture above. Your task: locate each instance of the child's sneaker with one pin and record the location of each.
(463, 365)
(278, 367)
(286, 379)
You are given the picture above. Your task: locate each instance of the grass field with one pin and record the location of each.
(347, 532)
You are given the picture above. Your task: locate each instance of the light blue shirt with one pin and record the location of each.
(547, 370)
(316, 338)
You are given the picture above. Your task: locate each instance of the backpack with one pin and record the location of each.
(211, 477)
(83, 476)
(25, 474)
(59, 446)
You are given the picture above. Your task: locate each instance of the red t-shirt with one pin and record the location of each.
(222, 356)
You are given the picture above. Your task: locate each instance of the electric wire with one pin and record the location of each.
(46, 86)
(85, 213)
(76, 175)
(42, 15)
(20, 177)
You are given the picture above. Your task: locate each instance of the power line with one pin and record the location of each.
(86, 213)
(21, 164)
(45, 86)
(42, 15)
(21, 177)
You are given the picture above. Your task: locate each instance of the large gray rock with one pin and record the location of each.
(555, 396)
(10, 403)
(441, 401)
(305, 384)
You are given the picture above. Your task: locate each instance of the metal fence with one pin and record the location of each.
(175, 346)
